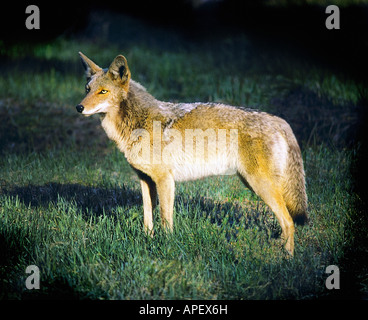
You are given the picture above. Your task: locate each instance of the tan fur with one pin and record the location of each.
(267, 156)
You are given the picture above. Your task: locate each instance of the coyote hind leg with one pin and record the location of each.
(277, 204)
(274, 199)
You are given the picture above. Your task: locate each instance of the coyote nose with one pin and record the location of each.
(79, 108)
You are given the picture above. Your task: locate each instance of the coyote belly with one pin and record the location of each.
(166, 142)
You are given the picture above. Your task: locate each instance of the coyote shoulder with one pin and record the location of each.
(166, 142)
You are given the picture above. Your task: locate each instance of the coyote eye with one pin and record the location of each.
(88, 89)
(103, 91)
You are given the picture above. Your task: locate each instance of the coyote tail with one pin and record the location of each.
(295, 194)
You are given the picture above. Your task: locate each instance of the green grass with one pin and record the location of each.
(70, 204)
(80, 221)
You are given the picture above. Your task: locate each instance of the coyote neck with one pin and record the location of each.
(119, 124)
(115, 129)
(128, 115)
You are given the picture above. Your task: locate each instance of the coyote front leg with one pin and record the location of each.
(149, 195)
(166, 191)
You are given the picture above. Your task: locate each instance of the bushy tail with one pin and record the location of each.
(294, 188)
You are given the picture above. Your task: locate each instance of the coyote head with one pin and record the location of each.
(105, 88)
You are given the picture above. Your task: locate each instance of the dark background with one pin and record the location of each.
(296, 26)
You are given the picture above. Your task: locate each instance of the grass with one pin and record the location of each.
(70, 203)
(80, 221)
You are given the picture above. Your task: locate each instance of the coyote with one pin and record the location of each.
(260, 148)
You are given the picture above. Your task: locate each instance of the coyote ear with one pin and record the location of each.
(90, 67)
(119, 69)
